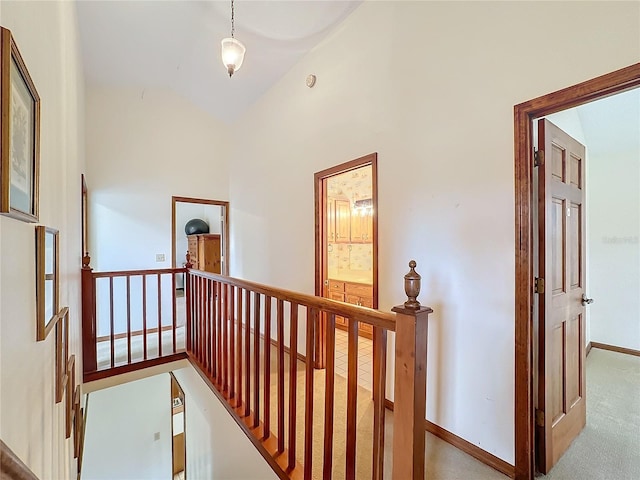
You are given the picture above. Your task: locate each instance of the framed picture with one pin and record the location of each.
(47, 280)
(71, 381)
(62, 351)
(19, 134)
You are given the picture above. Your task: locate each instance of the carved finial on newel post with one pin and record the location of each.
(410, 381)
(188, 264)
(86, 260)
(412, 286)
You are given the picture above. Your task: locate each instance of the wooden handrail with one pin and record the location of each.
(133, 273)
(11, 467)
(373, 317)
(229, 340)
(126, 329)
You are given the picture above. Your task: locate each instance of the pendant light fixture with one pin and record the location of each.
(232, 49)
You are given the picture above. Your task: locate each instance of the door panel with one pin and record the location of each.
(561, 380)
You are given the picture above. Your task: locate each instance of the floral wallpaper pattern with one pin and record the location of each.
(350, 256)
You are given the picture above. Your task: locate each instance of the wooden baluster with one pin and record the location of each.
(293, 382)
(111, 323)
(312, 318)
(247, 352)
(280, 343)
(379, 396)
(222, 305)
(329, 393)
(175, 310)
(410, 383)
(239, 352)
(208, 331)
(128, 319)
(256, 360)
(352, 399)
(203, 311)
(144, 316)
(89, 346)
(232, 339)
(188, 340)
(218, 330)
(214, 328)
(267, 368)
(159, 316)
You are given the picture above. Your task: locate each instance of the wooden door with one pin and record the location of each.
(561, 404)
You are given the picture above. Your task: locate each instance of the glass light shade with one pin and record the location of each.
(232, 54)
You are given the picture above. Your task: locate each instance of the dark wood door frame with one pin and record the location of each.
(225, 232)
(524, 115)
(371, 159)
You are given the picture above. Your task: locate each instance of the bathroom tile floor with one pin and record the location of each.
(365, 358)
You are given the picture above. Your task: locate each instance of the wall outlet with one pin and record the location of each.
(159, 257)
(156, 436)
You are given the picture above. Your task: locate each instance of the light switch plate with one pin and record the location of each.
(159, 257)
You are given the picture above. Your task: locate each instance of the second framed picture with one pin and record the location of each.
(47, 280)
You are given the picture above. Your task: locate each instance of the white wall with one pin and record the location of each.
(120, 436)
(431, 87)
(216, 447)
(145, 145)
(613, 182)
(31, 423)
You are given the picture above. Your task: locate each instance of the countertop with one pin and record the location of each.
(357, 276)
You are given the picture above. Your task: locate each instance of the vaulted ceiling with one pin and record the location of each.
(176, 45)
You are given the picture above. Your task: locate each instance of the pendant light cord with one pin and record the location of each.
(233, 23)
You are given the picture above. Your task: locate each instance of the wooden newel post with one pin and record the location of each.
(89, 353)
(410, 394)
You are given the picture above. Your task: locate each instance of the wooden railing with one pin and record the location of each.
(255, 346)
(130, 320)
(11, 467)
(239, 335)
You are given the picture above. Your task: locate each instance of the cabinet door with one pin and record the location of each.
(357, 231)
(331, 221)
(209, 252)
(367, 228)
(343, 221)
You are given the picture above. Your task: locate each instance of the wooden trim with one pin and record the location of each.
(613, 348)
(132, 367)
(467, 447)
(11, 467)
(470, 449)
(320, 234)
(134, 273)
(267, 448)
(588, 349)
(524, 114)
(361, 314)
(119, 336)
(225, 236)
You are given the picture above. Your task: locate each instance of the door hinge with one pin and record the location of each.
(539, 418)
(538, 158)
(539, 285)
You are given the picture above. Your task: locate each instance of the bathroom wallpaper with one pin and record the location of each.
(350, 256)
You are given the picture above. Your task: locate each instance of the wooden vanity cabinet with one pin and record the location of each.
(356, 294)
